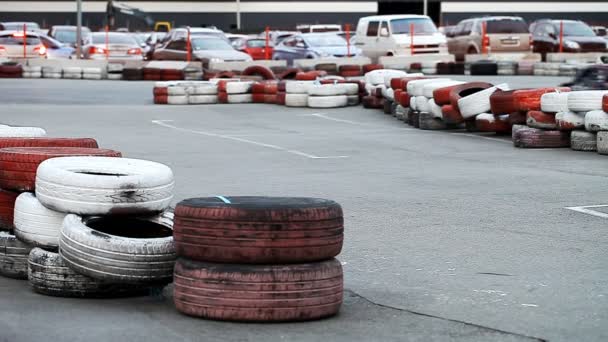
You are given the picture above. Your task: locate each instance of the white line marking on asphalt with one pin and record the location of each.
(482, 137)
(530, 305)
(585, 210)
(358, 123)
(246, 141)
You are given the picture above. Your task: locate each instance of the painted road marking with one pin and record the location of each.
(164, 123)
(585, 210)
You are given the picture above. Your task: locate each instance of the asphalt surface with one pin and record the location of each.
(450, 236)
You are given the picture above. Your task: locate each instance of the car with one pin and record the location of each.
(12, 45)
(255, 47)
(600, 31)
(592, 78)
(389, 35)
(56, 49)
(577, 37)
(120, 46)
(18, 26)
(142, 40)
(313, 45)
(182, 32)
(204, 48)
(67, 34)
(503, 34)
(235, 37)
(278, 36)
(318, 28)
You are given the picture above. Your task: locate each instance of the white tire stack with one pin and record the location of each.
(51, 72)
(239, 92)
(327, 95)
(74, 73)
(479, 102)
(296, 93)
(114, 71)
(32, 71)
(21, 132)
(92, 73)
(202, 93)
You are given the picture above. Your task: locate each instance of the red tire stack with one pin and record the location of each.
(258, 259)
(11, 71)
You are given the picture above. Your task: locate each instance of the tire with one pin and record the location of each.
(596, 120)
(414, 119)
(114, 77)
(72, 70)
(258, 98)
(296, 100)
(427, 121)
(92, 76)
(416, 87)
(554, 102)
(49, 275)
(372, 102)
(583, 141)
(35, 224)
(527, 137)
(281, 98)
(259, 70)
(404, 99)
(349, 67)
(238, 87)
(240, 98)
(476, 103)
(605, 103)
(271, 88)
(143, 253)
(542, 120)
(18, 165)
(13, 256)
(330, 68)
(52, 75)
(353, 100)
(141, 187)
(258, 293)
(270, 98)
(442, 95)
(202, 88)
(464, 90)
(21, 132)
(327, 101)
(48, 142)
(161, 99)
(451, 115)
(530, 99)
(435, 110)
(298, 87)
(73, 76)
(177, 99)
(422, 104)
(160, 91)
(602, 143)
(429, 89)
(518, 118)
(493, 123)
(502, 102)
(568, 121)
(327, 89)
(202, 99)
(371, 67)
(289, 74)
(376, 77)
(585, 101)
(32, 75)
(7, 209)
(484, 68)
(310, 75)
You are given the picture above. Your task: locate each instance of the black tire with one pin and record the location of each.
(387, 106)
(583, 141)
(484, 68)
(13, 256)
(428, 122)
(470, 126)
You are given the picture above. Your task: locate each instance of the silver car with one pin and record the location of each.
(12, 45)
(208, 49)
(119, 46)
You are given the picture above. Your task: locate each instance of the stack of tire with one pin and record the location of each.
(32, 71)
(151, 74)
(133, 73)
(185, 92)
(10, 70)
(114, 71)
(347, 70)
(402, 99)
(258, 91)
(540, 106)
(332, 95)
(596, 122)
(234, 91)
(258, 259)
(376, 85)
(74, 73)
(92, 73)
(296, 93)
(424, 112)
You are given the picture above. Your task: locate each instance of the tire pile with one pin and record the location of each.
(258, 259)
(80, 221)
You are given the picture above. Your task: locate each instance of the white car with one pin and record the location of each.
(389, 35)
(12, 42)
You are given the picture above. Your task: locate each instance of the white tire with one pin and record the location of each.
(327, 101)
(203, 89)
(115, 68)
(554, 102)
(569, 120)
(296, 100)
(422, 104)
(477, 103)
(413, 103)
(416, 87)
(52, 75)
(21, 132)
(238, 88)
(376, 77)
(351, 88)
(327, 90)
(104, 185)
(370, 89)
(103, 254)
(72, 70)
(176, 90)
(353, 100)
(584, 101)
(92, 70)
(390, 74)
(32, 75)
(583, 141)
(596, 120)
(298, 87)
(115, 77)
(389, 94)
(35, 224)
(435, 109)
(92, 76)
(72, 76)
(202, 99)
(429, 88)
(13, 256)
(51, 70)
(602, 143)
(177, 99)
(32, 69)
(240, 98)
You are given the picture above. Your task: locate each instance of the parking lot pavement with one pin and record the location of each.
(441, 227)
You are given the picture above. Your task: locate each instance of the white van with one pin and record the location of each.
(389, 35)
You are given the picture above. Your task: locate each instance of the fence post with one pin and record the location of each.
(267, 49)
(107, 42)
(484, 33)
(561, 36)
(412, 38)
(347, 29)
(188, 46)
(24, 41)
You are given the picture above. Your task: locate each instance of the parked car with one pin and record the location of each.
(504, 34)
(578, 37)
(234, 38)
(600, 31)
(12, 42)
(318, 28)
(18, 26)
(592, 78)
(56, 49)
(67, 34)
(182, 32)
(120, 46)
(389, 35)
(278, 36)
(313, 45)
(207, 49)
(254, 47)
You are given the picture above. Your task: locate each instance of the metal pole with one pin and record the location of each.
(425, 6)
(238, 15)
(78, 29)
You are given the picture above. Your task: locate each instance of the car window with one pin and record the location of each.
(498, 26)
(326, 40)
(114, 38)
(17, 39)
(384, 25)
(177, 45)
(289, 42)
(466, 28)
(210, 44)
(49, 43)
(372, 28)
(577, 28)
(421, 25)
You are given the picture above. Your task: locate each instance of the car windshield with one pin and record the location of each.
(257, 43)
(506, 26)
(210, 44)
(421, 26)
(326, 40)
(114, 38)
(19, 26)
(577, 29)
(17, 39)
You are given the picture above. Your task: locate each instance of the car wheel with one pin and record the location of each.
(472, 51)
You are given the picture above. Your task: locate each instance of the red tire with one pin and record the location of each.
(281, 87)
(222, 97)
(406, 80)
(442, 95)
(451, 115)
(371, 67)
(465, 90)
(351, 73)
(11, 69)
(281, 98)
(397, 95)
(605, 103)
(271, 88)
(517, 118)
(349, 67)
(416, 66)
(18, 165)
(258, 88)
(310, 75)
(171, 74)
(289, 74)
(270, 98)
(259, 70)
(542, 120)
(493, 123)
(152, 77)
(527, 100)
(396, 83)
(404, 99)
(160, 91)
(258, 98)
(527, 137)
(48, 142)
(258, 230)
(7, 208)
(161, 99)
(258, 293)
(502, 102)
(372, 102)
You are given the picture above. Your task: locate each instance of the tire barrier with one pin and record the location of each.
(7, 209)
(528, 137)
(11, 70)
(583, 141)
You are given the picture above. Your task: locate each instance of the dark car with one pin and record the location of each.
(313, 45)
(592, 78)
(577, 37)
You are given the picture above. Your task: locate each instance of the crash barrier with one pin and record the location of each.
(77, 220)
(535, 118)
